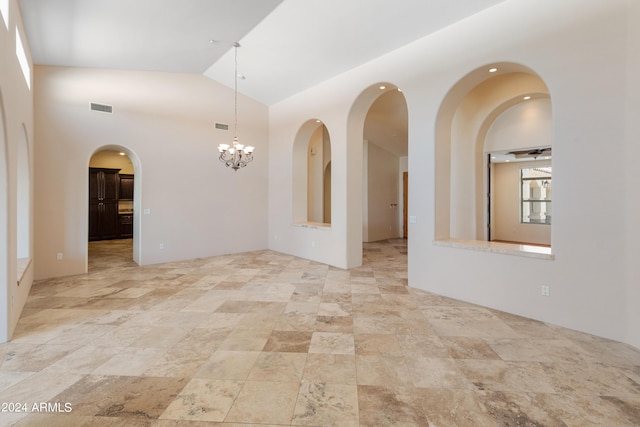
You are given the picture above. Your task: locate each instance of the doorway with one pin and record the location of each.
(385, 154)
(405, 204)
(111, 176)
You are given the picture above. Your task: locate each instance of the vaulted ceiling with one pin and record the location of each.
(287, 45)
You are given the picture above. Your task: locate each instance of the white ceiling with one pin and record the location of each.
(287, 46)
(151, 35)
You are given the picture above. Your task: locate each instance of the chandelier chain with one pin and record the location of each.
(235, 91)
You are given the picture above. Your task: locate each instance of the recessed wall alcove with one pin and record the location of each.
(312, 175)
(479, 102)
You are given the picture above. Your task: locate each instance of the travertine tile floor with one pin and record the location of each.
(264, 338)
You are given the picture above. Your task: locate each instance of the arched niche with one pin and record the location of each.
(311, 174)
(23, 201)
(4, 232)
(465, 116)
(120, 157)
(355, 165)
(327, 194)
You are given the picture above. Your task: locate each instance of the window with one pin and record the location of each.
(4, 11)
(22, 59)
(535, 195)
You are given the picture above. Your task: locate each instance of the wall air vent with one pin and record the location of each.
(222, 126)
(101, 107)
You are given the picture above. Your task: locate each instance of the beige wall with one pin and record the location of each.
(505, 224)
(16, 140)
(185, 200)
(112, 160)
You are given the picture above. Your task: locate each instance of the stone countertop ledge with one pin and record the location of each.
(523, 250)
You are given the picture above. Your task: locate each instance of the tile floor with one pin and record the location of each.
(264, 338)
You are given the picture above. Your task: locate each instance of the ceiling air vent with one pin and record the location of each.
(101, 107)
(222, 126)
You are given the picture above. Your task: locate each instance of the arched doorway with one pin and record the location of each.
(362, 116)
(385, 156)
(114, 202)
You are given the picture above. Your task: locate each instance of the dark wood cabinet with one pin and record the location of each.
(125, 225)
(126, 186)
(104, 186)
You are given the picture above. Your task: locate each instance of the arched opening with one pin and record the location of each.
(23, 204)
(312, 174)
(327, 194)
(359, 171)
(114, 202)
(486, 124)
(384, 161)
(4, 232)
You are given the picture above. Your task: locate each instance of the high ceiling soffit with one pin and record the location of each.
(287, 45)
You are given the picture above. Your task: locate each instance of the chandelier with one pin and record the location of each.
(237, 155)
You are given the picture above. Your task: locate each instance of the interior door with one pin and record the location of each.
(405, 204)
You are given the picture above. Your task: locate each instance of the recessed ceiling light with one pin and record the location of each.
(399, 90)
(493, 70)
(382, 87)
(318, 121)
(507, 160)
(493, 157)
(526, 97)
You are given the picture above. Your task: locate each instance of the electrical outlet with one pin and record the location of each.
(544, 290)
(161, 245)
(59, 256)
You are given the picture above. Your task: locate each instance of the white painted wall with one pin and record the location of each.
(16, 115)
(586, 53)
(197, 207)
(631, 249)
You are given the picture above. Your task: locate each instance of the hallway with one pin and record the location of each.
(265, 338)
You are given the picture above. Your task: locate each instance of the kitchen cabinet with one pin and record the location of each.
(125, 225)
(104, 186)
(126, 186)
